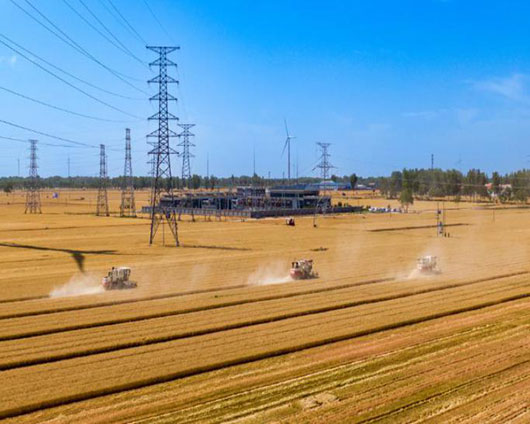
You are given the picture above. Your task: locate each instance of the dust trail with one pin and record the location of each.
(274, 273)
(78, 285)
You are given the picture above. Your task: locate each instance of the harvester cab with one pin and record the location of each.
(118, 279)
(428, 265)
(302, 270)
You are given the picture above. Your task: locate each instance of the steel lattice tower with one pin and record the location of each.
(324, 164)
(127, 206)
(161, 152)
(102, 205)
(186, 144)
(33, 204)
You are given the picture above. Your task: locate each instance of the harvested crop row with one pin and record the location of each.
(96, 375)
(280, 383)
(44, 308)
(97, 317)
(19, 353)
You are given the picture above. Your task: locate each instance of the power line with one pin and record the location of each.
(91, 25)
(123, 47)
(68, 73)
(68, 83)
(65, 38)
(158, 21)
(71, 112)
(67, 140)
(127, 24)
(21, 140)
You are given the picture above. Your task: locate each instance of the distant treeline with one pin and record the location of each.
(427, 183)
(195, 182)
(419, 183)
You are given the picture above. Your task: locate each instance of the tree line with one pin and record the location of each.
(406, 184)
(437, 183)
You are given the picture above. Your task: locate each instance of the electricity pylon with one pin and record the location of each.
(33, 204)
(162, 180)
(102, 204)
(127, 206)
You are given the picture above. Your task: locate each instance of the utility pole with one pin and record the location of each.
(127, 206)
(208, 165)
(186, 144)
(324, 164)
(18, 167)
(432, 162)
(102, 204)
(68, 165)
(161, 152)
(33, 204)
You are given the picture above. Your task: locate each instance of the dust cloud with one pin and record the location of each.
(78, 285)
(274, 273)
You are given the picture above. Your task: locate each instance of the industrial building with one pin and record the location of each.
(254, 202)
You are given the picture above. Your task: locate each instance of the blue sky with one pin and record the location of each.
(387, 83)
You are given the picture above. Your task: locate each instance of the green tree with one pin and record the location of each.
(195, 181)
(8, 187)
(406, 198)
(395, 184)
(496, 183)
(353, 181)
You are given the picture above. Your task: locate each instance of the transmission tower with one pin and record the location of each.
(161, 152)
(102, 205)
(33, 204)
(324, 164)
(186, 144)
(127, 206)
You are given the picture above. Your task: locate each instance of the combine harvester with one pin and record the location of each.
(428, 265)
(302, 270)
(118, 279)
(290, 221)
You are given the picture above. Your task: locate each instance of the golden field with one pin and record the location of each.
(215, 332)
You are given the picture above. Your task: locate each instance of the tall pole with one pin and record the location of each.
(33, 204)
(102, 204)
(127, 206)
(162, 197)
(68, 165)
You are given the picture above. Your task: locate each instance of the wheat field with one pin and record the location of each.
(215, 331)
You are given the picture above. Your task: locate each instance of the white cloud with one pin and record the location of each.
(8, 60)
(466, 116)
(423, 114)
(512, 87)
